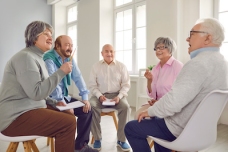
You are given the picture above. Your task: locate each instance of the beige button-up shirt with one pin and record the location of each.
(109, 78)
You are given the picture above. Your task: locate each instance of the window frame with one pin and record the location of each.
(70, 24)
(216, 15)
(131, 5)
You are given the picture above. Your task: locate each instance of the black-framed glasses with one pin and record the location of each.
(160, 48)
(191, 32)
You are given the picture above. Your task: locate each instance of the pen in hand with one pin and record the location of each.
(71, 57)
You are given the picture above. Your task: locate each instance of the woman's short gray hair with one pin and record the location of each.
(168, 42)
(213, 27)
(33, 30)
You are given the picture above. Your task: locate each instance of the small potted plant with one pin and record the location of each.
(151, 67)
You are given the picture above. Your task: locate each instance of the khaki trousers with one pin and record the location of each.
(123, 109)
(46, 122)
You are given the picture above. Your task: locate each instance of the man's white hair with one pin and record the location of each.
(213, 27)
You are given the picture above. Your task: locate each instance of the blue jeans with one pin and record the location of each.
(137, 133)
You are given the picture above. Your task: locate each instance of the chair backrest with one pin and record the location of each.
(201, 130)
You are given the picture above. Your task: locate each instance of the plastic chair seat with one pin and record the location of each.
(28, 142)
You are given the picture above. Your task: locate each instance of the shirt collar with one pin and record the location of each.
(103, 61)
(196, 52)
(170, 61)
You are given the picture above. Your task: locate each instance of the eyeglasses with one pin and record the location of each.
(191, 33)
(160, 48)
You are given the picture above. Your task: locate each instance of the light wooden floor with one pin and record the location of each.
(109, 139)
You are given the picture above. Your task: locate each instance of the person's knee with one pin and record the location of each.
(70, 121)
(95, 109)
(125, 106)
(137, 113)
(92, 104)
(127, 128)
(90, 113)
(93, 101)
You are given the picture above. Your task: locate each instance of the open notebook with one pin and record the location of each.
(108, 102)
(71, 105)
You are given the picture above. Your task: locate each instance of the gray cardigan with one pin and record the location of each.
(25, 85)
(202, 74)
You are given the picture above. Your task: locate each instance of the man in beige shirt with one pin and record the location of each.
(109, 79)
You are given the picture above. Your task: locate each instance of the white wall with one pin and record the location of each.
(15, 16)
(95, 28)
(173, 18)
(93, 32)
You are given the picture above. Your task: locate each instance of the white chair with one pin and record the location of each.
(201, 130)
(28, 142)
(108, 112)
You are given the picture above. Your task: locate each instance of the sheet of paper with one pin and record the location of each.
(71, 105)
(108, 102)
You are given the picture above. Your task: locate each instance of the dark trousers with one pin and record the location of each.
(46, 122)
(83, 125)
(137, 133)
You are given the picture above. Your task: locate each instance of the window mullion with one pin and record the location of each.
(134, 58)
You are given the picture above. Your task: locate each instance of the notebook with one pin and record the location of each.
(108, 102)
(71, 105)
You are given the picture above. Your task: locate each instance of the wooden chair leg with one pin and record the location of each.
(27, 148)
(92, 140)
(151, 144)
(52, 145)
(33, 146)
(48, 140)
(12, 147)
(51, 140)
(114, 119)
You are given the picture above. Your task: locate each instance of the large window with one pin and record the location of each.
(223, 16)
(122, 2)
(130, 34)
(72, 26)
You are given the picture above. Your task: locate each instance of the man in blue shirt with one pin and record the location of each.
(54, 59)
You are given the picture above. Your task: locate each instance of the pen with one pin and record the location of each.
(71, 57)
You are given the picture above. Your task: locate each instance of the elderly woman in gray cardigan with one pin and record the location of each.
(24, 93)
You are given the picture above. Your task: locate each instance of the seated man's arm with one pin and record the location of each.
(125, 83)
(79, 81)
(93, 85)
